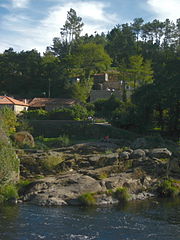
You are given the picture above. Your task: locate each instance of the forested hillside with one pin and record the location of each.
(146, 55)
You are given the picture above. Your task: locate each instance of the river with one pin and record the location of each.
(151, 220)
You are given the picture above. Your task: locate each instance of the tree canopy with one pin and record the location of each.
(146, 55)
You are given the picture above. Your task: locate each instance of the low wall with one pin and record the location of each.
(77, 129)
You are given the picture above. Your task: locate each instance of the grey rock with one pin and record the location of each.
(138, 153)
(160, 153)
(142, 196)
(57, 190)
(106, 200)
(124, 155)
(94, 159)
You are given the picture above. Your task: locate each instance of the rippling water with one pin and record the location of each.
(135, 221)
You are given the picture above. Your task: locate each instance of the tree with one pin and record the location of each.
(137, 28)
(50, 65)
(71, 30)
(140, 71)
(72, 27)
(121, 43)
(92, 58)
(80, 90)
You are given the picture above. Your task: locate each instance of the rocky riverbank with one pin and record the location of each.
(96, 168)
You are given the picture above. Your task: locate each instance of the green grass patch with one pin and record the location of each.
(87, 199)
(56, 142)
(8, 193)
(103, 175)
(51, 161)
(168, 189)
(121, 194)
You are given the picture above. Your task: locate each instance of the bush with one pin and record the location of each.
(87, 199)
(121, 194)
(168, 189)
(8, 120)
(9, 163)
(76, 112)
(21, 186)
(105, 107)
(51, 161)
(38, 114)
(125, 117)
(61, 114)
(24, 125)
(8, 193)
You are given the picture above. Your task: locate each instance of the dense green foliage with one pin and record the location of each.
(9, 163)
(8, 193)
(147, 56)
(8, 120)
(76, 112)
(168, 188)
(105, 107)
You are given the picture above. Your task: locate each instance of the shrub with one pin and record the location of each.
(8, 120)
(9, 163)
(24, 125)
(76, 112)
(21, 186)
(105, 107)
(80, 112)
(51, 161)
(102, 176)
(168, 189)
(61, 114)
(125, 117)
(38, 114)
(8, 193)
(109, 192)
(121, 194)
(87, 199)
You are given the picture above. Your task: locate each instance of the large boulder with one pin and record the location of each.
(160, 153)
(24, 138)
(138, 153)
(124, 155)
(59, 190)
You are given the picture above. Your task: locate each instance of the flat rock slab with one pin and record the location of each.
(56, 190)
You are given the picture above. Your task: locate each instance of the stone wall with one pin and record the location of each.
(98, 94)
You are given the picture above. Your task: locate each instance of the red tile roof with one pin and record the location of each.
(11, 101)
(42, 102)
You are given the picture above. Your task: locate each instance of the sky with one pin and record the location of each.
(32, 24)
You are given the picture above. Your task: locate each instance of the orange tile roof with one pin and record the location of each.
(11, 101)
(42, 102)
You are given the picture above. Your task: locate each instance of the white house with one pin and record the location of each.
(16, 105)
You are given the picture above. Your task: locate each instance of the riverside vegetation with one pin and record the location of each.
(94, 171)
(62, 148)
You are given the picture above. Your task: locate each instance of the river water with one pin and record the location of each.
(151, 220)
